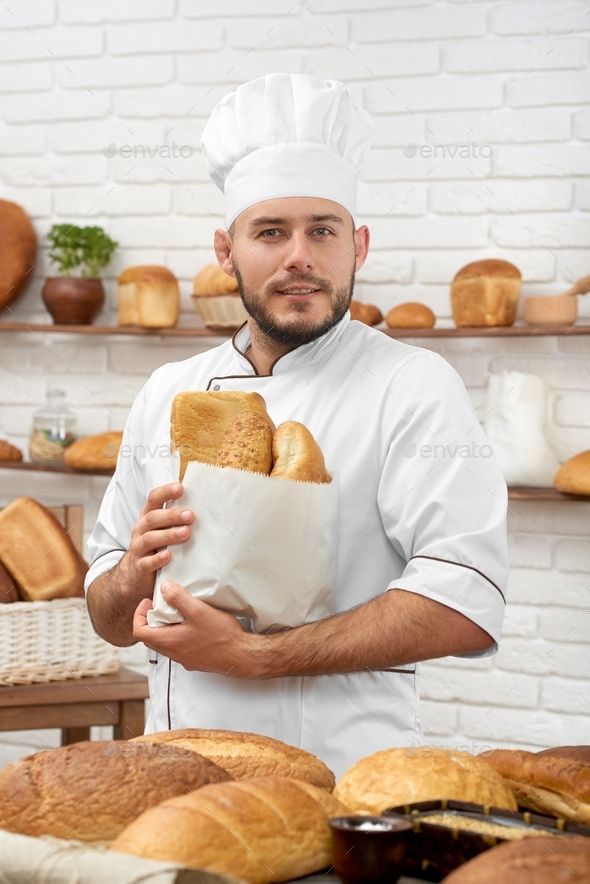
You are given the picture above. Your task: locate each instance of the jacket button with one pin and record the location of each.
(217, 387)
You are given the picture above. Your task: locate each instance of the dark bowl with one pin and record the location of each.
(369, 849)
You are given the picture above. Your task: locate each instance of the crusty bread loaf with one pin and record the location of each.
(247, 444)
(98, 452)
(9, 451)
(245, 755)
(404, 776)
(212, 280)
(367, 313)
(18, 251)
(546, 859)
(485, 293)
(576, 753)
(411, 314)
(573, 476)
(262, 830)
(547, 783)
(92, 790)
(8, 587)
(296, 455)
(38, 552)
(148, 296)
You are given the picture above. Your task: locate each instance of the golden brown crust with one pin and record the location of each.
(489, 267)
(18, 251)
(411, 314)
(38, 552)
(9, 451)
(92, 790)
(367, 313)
(485, 293)
(576, 753)
(212, 280)
(404, 776)
(573, 476)
(94, 452)
(247, 444)
(542, 860)
(246, 755)
(8, 587)
(297, 455)
(262, 830)
(146, 273)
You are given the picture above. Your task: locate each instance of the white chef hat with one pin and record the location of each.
(286, 135)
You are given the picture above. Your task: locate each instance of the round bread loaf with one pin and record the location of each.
(18, 251)
(410, 315)
(367, 313)
(262, 830)
(94, 452)
(92, 790)
(546, 859)
(246, 755)
(9, 451)
(573, 476)
(485, 293)
(404, 776)
(212, 280)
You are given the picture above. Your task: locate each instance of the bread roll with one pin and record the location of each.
(263, 830)
(38, 552)
(246, 755)
(98, 452)
(576, 753)
(573, 476)
(92, 790)
(18, 251)
(200, 420)
(296, 455)
(410, 315)
(9, 452)
(367, 313)
(547, 783)
(247, 444)
(212, 280)
(546, 859)
(404, 776)
(148, 296)
(485, 293)
(8, 587)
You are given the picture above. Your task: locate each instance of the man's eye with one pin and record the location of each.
(323, 230)
(270, 232)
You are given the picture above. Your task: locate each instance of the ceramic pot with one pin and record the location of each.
(73, 300)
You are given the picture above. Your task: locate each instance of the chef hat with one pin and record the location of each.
(286, 135)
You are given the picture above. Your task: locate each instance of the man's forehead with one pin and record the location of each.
(293, 210)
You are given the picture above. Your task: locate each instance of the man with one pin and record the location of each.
(421, 562)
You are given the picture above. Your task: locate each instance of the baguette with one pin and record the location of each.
(296, 455)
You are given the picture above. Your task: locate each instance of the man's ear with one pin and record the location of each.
(361, 246)
(223, 250)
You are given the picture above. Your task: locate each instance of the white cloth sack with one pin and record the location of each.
(262, 548)
(514, 425)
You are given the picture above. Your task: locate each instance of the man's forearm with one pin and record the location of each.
(391, 630)
(112, 599)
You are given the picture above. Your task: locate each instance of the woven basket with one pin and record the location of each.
(51, 641)
(220, 311)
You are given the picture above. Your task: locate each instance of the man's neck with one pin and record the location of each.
(263, 353)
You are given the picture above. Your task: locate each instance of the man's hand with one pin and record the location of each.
(208, 640)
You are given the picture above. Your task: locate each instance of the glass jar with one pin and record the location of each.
(54, 428)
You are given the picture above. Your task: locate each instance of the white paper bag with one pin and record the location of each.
(262, 548)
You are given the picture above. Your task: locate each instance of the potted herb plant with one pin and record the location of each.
(80, 253)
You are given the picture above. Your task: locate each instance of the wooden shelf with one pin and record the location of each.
(50, 468)
(511, 331)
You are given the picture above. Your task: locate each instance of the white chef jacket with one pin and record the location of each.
(422, 508)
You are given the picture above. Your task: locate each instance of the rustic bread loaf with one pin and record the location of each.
(148, 296)
(18, 251)
(9, 451)
(246, 755)
(38, 552)
(404, 776)
(547, 859)
(247, 444)
(485, 293)
(573, 476)
(98, 452)
(547, 783)
(576, 753)
(261, 830)
(92, 790)
(367, 313)
(411, 314)
(212, 280)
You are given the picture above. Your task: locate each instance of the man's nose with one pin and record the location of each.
(298, 254)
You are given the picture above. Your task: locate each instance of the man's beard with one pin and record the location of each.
(296, 333)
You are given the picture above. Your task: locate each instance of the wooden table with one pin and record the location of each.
(75, 705)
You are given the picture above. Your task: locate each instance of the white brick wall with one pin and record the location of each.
(481, 121)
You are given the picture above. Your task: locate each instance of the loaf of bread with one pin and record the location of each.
(485, 293)
(38, 552)
(18, 251)
(411, 314)
(404, 776)
(98, 452)
(576, 753)
(296, 455)
(9, 451)
(148, 296)
(263, 830)
(8, 587)
(367, 313)
(547, 859)
(245, 755)
(573, 476)
(247, 444)
(92, 790)
(549, 784)
(211, 280)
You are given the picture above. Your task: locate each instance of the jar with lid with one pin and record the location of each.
(54, 428)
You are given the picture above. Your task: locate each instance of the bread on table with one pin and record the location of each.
(262, 830)
(546, 859)
(38, 552)
(98, 452)
(8, 587)
(411, 314)
(485, 293)
(9, 451)
(148, 296)
(18, 251)
(551, 784)
(212, 280)
(573, 476)
(296, 455)
(247, 444)
(367, 313)
(404, 776)
(92, 790)
(246, 755)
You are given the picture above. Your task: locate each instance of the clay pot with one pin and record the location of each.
(73, 300)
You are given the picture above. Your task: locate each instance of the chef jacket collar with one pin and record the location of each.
(305, 355)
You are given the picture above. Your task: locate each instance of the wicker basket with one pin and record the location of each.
(220, 311)
(51, 641)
